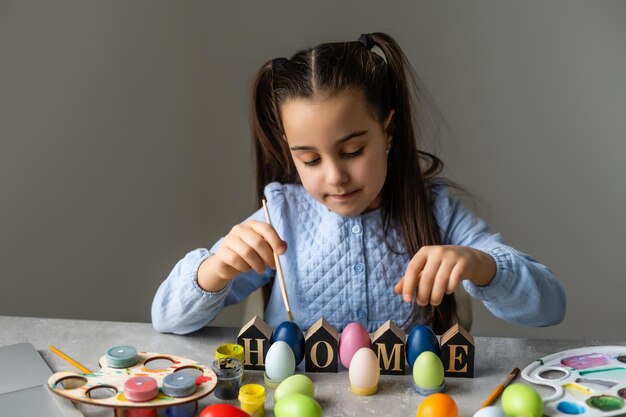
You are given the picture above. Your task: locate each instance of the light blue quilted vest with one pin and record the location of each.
(339, 268)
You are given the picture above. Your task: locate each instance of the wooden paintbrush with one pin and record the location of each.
(279, 269)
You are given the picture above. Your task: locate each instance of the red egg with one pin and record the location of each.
(353, 338)
(438, 405)
(223, 410)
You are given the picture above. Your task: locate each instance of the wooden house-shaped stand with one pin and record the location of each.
(321, 345)
(255, 337)
(389, 343)
(457, 352)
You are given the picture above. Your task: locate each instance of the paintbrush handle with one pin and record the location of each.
(494, 395)
(70, 360)
(279, 269)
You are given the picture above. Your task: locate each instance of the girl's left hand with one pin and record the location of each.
(438, 270)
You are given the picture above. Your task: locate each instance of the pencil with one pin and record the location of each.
(496, 392)
(279, 269)
(70, 360)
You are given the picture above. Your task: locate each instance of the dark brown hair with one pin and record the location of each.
(387, 84)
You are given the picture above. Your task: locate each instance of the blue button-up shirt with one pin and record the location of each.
(344, 269)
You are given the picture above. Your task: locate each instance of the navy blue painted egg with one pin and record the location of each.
(421, 338)
(290, 333)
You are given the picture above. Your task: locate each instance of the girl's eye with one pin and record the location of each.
(312, 162)
(353, 154)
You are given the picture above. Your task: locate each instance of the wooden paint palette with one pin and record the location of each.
(89, 388)
(589, 382)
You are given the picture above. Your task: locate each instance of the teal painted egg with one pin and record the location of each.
(280, 362)
(295, 384)
(297, 405)
(521, 400)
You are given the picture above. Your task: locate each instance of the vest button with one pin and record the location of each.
(359, 267)
(356, 229)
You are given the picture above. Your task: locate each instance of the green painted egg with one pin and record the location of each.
(297, 405)
(428, 370)
(295, 384)
(521, 400)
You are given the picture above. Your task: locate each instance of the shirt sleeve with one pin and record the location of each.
(523, 291)
(181, 306)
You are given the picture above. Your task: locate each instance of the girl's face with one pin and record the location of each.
(339, 150)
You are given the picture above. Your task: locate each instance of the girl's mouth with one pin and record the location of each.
(343, 197)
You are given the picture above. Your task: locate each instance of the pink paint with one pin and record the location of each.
(590, 360)
(141, 389)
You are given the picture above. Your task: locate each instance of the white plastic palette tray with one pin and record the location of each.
(588, 381)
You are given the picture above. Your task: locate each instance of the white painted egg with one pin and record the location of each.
(364, 371)
(491, 411)
(280, 361)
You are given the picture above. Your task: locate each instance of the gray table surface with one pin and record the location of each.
(86, 341)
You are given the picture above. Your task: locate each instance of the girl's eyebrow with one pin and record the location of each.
(339, 141)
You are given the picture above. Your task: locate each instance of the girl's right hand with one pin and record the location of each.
(247, 246)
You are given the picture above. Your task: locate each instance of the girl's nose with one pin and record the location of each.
(336, 174)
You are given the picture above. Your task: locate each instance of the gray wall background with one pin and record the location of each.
(125, 144)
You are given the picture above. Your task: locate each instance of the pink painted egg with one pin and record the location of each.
(353, 338)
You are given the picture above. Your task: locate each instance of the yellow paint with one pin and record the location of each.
(578, 390)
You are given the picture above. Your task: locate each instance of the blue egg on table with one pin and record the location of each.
(421, 339)
(290, 333)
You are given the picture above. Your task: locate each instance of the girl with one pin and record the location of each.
(366, 229)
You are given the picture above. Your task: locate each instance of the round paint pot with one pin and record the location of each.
(141, 389)
(122, 357)
(184, 410)
(229, 372)
(230, 350)
(252, 399)
(141, 412)
(179, 384)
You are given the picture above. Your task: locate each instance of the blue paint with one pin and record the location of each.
(179, 384)
(290, 333)
(567, 407)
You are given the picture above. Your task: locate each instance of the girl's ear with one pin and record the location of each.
(389, 126)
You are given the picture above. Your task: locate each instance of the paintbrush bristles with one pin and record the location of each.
(514, 373)
(279, 269)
